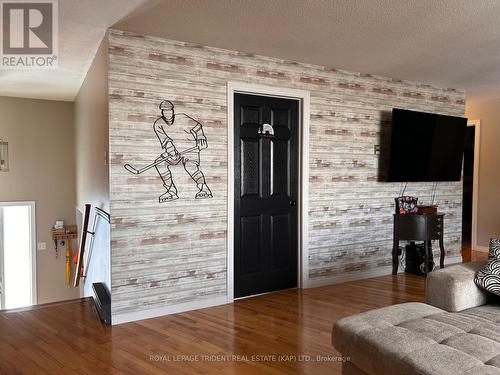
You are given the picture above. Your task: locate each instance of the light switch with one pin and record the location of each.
(41, 246)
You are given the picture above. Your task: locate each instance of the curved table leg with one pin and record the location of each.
(395, 257)
(426, 258)
(441, 258)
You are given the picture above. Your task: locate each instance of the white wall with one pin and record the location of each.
(488, 220)
(92, 180)
(42, 169)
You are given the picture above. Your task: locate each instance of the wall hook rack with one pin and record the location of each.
(62, 235)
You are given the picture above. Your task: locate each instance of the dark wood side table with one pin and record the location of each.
(426, 227)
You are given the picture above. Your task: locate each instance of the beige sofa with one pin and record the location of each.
(456, 332)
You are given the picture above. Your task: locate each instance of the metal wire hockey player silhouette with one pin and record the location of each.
(190, 146)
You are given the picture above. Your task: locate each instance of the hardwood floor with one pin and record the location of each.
(68, 338)
(468, 254)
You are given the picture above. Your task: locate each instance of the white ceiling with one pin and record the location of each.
(449, 43)
(82, 25)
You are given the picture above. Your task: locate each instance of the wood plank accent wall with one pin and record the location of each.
(171, 253)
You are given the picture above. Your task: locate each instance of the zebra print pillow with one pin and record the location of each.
(494, 248)
(488, 277)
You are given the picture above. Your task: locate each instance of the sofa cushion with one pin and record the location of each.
(415, 338)
(453, 288)
(494, 251)
(488, 277)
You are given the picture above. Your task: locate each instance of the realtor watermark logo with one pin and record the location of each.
(29, 34)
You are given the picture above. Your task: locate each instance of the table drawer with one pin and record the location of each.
(415, 227)
(435, 227)
(411, 227)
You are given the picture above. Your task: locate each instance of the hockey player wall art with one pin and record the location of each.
(184, 149)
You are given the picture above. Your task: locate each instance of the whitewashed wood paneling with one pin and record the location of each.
(171, 253)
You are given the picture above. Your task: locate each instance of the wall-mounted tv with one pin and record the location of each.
(425, 147)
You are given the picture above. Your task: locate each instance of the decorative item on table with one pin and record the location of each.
(427, 210)
(406, 205)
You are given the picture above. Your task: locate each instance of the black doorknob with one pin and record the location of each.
(292, 203)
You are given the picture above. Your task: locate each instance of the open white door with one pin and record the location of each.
(17, 255)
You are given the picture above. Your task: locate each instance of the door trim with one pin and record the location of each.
(32, 205)
(475, 183)
(303, 160)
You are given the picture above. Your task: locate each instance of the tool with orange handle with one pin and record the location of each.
(68, 262)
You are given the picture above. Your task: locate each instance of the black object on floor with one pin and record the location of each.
(102, 302)
(425, 228)
(415, 258)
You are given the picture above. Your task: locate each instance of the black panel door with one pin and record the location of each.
(266, 189)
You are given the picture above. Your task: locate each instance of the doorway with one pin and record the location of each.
(470, 186)
(266, 188)
(17, 255)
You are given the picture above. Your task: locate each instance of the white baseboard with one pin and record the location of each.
(167, 310)
(189, 306)
(484, 249)
(353, 276)
(349, 276)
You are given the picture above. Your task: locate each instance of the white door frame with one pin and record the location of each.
(303, 190)
(475, 183)
(32, 205)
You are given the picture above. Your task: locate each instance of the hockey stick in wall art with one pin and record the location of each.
(185, 135)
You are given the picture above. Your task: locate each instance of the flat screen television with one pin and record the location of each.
(425, 147)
